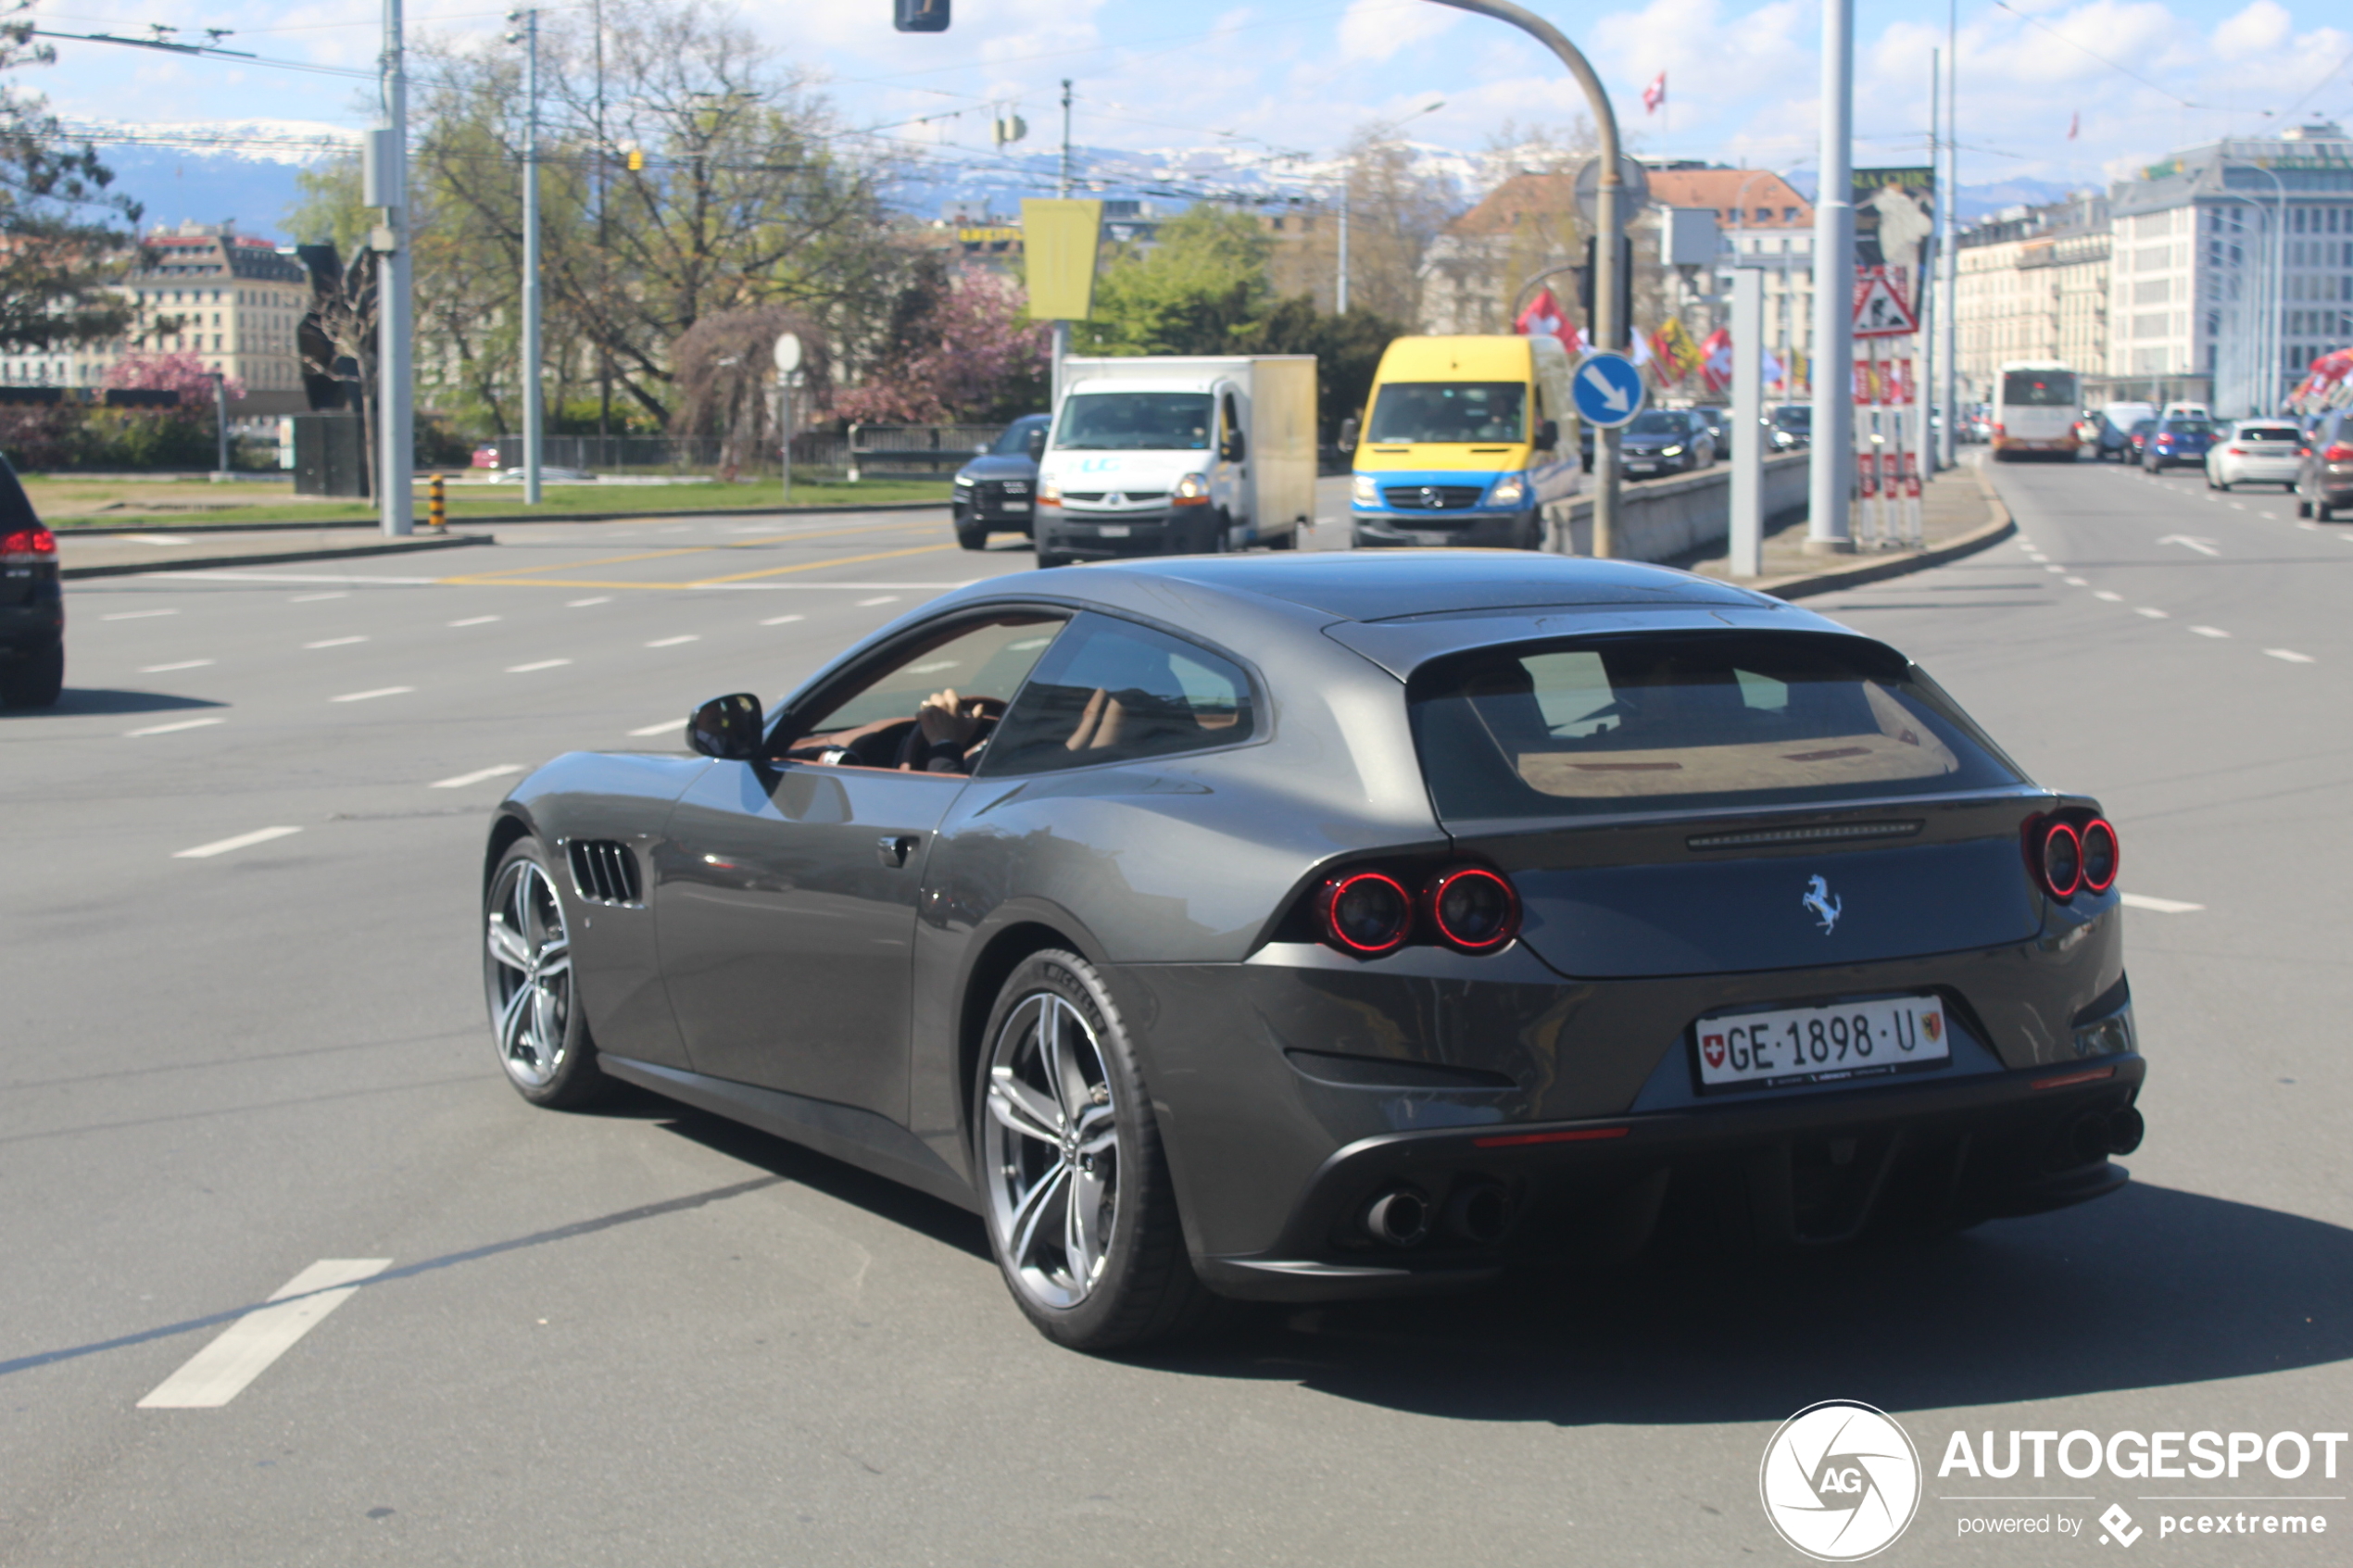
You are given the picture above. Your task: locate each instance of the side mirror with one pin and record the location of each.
(1232, 450)
(726, 727)
(1349, 432)
(1037, 444)
(1548, 436)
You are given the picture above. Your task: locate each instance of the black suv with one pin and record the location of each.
(33, 607)
(998, 488)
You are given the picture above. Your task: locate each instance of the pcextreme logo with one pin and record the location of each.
(1840, 1481)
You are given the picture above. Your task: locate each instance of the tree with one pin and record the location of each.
(961, 347)
(60, 244)
(1346, 349)
(724, 369)
(1197, 290)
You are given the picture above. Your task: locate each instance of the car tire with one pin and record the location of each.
(536, 1023)
(972, 538)
(1057, 1093)
(35, 681)
(2324, 512)
(2303, 507)
(2222, 484)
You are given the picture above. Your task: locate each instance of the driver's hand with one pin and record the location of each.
(943, 720)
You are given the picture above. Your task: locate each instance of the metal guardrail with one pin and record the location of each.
(862, 451)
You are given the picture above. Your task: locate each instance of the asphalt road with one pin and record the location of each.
(647, 1337)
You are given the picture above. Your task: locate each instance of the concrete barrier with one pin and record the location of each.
(1663, 519)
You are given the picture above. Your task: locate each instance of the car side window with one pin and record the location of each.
(965, 675)
(1111, 691)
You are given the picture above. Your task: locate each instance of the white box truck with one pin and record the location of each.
(1172, 456)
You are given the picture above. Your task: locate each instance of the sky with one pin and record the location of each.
(2136, 77)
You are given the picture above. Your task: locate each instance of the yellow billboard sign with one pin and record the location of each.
(1059, 239)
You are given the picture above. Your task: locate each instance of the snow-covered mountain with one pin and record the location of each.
(212, 171)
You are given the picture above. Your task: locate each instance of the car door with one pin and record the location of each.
(1231, 478)
(786, 891)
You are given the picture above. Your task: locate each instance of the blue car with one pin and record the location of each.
(2177, 439)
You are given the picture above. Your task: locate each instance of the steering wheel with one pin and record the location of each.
(988, 709)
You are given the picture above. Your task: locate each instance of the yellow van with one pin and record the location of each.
(1462, 445)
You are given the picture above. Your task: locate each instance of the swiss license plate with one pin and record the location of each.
(1114, 530)
(1640, 468)
(1825, 1044)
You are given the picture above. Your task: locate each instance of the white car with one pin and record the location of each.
(2255, 452)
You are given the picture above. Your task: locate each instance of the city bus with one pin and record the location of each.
(2035, 408)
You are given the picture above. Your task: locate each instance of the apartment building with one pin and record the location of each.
(2033, 283)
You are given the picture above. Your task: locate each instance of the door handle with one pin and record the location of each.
(893, 849)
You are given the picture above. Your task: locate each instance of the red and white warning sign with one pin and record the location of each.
(1881, 307)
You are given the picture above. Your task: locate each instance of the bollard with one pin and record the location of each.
(436, 513)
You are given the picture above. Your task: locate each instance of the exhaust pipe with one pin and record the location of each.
(1479, 1212)
(2125, 1130)
(1400, 1217)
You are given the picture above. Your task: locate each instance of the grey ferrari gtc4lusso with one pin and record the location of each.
(1294, 927)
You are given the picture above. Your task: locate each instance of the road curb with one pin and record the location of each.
(1999, 526)
(337, 552)
(501, 519)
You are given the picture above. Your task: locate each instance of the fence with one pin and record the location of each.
(862, 452)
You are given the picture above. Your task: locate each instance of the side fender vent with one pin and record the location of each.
(605, 870)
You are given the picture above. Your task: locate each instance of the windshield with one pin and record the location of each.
(1795, 417)
(1654, 422)
(1683, 720)
(1441, 411)
(2039, 389)
(1015, 441)
(1136, 421)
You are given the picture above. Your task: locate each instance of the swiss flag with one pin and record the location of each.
(1545, 318)
(1716, 361)
(1655, 96)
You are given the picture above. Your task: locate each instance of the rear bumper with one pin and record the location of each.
(1811, 1169)
(30, 626)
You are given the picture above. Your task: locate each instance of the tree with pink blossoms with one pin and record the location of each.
(181, 372)
(961, 347)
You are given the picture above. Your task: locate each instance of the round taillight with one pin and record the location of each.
(2101, 855)
(1366, 912)
(2062, 861)
(1473, 908)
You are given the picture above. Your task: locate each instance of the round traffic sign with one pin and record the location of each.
(788, 353)
(1607, 390)
(1633, 190)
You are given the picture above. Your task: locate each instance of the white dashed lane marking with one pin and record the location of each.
(886, 600)
(223, 846)
(167, 668)
(175, 726)
(584, 604)
(478, 776)
(2075, 581)
(315, 598)
(2111, 599)
(2152, 614)
(372, 695)
(665, 727)
(220, 1372)
(137, 614)
(335, 642)
(2156, 906)
(783, 620)
(673, 642)
(539, 664)
(2290, 655)
(476, 620)
(2208, 632)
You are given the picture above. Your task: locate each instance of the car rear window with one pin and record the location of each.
(2268, 432)
(1669, 721)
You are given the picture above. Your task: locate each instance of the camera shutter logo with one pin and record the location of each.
(1840, 1481)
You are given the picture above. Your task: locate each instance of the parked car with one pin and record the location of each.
(1792, 426)
(1663, 441)
(2178, 439)
(998, 489)
(1719, 426)
(2255, 452)
(1311, 926)
(33, 607)
(2324, 473)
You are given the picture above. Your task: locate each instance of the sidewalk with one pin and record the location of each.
(1959, 514)
(119, 555)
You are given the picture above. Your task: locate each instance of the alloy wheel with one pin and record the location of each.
(529, 973)
(1050, 1148)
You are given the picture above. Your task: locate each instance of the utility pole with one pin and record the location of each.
(1339, 289)
(1061, 329)
(1931, 320)
(1609, 289)
(395, 458)
(533, 416)
(1948, 334)
(1832, 467)
(604, 354)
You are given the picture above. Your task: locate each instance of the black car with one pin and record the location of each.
(1666, 440)
(2324, 472)
(1792, 426)
(1719, 427)
(1301, 926)
(2178, 439)
(998, 489)
(33, 607)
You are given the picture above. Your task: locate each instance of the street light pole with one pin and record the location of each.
(1948, 302)
(533, 416)
(1833, 465)
(395, 415)
(1608, 287)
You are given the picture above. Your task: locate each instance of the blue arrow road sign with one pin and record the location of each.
(1608, 390)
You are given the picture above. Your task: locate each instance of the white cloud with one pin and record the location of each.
(2262, 26)
(1373, 31)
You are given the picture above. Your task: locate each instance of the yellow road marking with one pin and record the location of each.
(813, 565)
(698, 583)
(503, 574)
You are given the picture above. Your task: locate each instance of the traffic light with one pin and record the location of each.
(919, 16)
(1625, 277)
